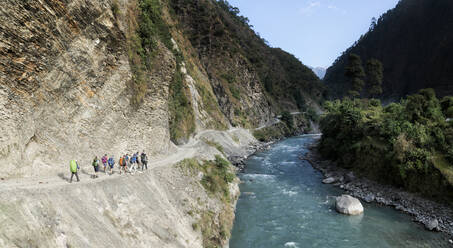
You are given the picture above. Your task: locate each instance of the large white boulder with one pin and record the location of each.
(329, 180)
(432, 225)
(349, 205)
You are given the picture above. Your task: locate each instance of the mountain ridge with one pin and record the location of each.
(413, 41)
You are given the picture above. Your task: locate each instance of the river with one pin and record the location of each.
(284, 204)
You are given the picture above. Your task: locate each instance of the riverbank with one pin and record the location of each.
(435, 216)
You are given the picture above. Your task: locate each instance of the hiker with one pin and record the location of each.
(144, 160)
(95, 165)
(123, 164)
(126, 158)
(111, 162)
(74, 167)
(133, 160)
(137, 160)
(104, 161)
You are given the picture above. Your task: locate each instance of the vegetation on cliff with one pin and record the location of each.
(407, 144)
(413, 41)
(147, 30)
(217, 175)
(151, 30)
(182, 118)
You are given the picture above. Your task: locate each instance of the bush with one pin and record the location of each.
(228, 77)
(287, 118)
(214, 144)
(235, 92)
(312, 115)
(115, 8)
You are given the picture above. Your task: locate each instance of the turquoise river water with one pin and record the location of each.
(284, 204)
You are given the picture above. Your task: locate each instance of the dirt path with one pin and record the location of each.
(189, 150)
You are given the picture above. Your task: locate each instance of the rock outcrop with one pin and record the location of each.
(432, 225)
(349, 205)
(64, 88)
(329, 180)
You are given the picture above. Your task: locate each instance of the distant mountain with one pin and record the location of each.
(319, 71)
(414, 41)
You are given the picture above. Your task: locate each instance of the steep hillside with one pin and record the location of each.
(251, 80)
(414, 42)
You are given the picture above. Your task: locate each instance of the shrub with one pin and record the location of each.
(214, 144)
(312, 115)
(235, 92)
(115, 8)
(287, 118)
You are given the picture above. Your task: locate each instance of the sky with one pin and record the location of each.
(315, 31)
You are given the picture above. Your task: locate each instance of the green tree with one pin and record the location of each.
(355, 72)
(375, 76)
(287, 118)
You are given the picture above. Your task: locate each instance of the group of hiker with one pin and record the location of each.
(127, 164)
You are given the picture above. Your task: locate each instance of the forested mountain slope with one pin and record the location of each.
(237, 60)
(414, 41)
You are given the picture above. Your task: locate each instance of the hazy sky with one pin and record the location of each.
(315, 31)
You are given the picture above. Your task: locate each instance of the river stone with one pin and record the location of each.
(329, 180)
(349, 205)
(369, 198)
(399, 207)
(349, 177)
(432, 225)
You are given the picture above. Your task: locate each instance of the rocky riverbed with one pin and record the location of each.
(239, 161)
(433, 215)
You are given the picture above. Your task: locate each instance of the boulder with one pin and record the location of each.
(349, 177)
(329, 180)
(399, 207)
(349, 205)
(432, 225)
(369, 198)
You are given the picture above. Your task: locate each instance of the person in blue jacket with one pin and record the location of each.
(111, 163)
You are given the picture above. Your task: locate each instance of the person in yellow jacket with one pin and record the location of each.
(74, 167)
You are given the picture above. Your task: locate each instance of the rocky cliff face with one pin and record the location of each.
(70, 89)
(64, 91)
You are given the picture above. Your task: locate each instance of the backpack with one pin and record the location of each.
(73, 166)
(143, 157)
(122, 161)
